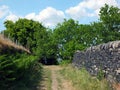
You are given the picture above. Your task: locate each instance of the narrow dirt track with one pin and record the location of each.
(55, 81)
(58, 81)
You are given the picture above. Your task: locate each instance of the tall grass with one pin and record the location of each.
(6, 43)
(82, 80)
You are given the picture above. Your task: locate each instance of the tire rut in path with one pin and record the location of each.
(58, 81)
(54, 80)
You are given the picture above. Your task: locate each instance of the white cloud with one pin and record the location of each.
(12, 17)
(49, 16)
(3, 11)
(88, 8)
(30, 16)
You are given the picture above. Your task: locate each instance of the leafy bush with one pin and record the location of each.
(64, 62)
(18, 71)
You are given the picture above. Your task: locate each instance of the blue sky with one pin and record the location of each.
(51, 12)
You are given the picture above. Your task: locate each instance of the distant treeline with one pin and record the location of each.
(67, 37)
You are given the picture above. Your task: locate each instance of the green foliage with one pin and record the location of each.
(33, 35)
(14, 71)
(70, 36)
(49, 45)
(109, 16)
(66, 37)
(24, 31)
(65, 62)
(7, 69)
(100, 75)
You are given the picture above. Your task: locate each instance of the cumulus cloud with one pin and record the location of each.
(31, 16)
(12, 17)
(3, 10)
(88, 8)
(49, 16)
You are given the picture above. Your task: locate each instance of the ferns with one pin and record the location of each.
(16, 69)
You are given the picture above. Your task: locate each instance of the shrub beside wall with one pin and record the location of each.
(105, 57)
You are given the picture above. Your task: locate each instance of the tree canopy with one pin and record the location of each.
(67, 37)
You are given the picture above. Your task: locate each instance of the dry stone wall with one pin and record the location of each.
(105, 57)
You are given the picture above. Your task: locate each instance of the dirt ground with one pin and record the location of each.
(58, 82)
(55, 81)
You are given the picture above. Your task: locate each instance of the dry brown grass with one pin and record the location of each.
(7, 43)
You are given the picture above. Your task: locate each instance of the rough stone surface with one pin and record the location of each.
(105, 57)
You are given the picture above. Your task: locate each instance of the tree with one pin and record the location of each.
(10, 27)
(109, 16)
(23, 32)
(69, 37)
(34, 36)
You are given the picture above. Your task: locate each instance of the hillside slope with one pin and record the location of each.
(7, 45)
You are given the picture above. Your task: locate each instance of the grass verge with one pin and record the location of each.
(81, 79)
(47, 78)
